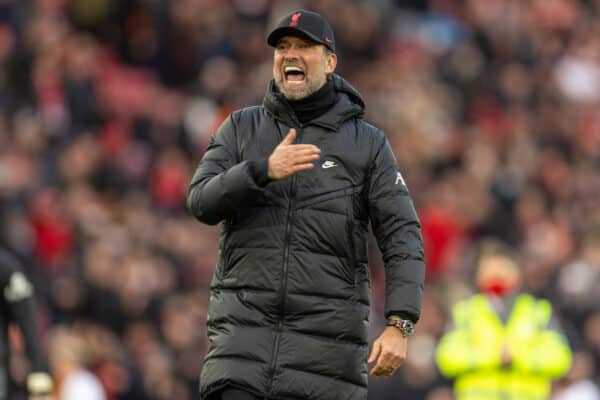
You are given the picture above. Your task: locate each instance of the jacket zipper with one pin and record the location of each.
(350, 233)
(284, 271)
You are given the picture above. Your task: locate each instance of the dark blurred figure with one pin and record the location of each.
(17, 306)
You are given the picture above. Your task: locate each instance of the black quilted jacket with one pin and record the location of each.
(289, 304)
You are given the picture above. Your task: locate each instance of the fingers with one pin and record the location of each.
(383, 367)
(288, 159)
(295, 168)
(302, 167)
(297, 148)
(290, 137)
(388, 361)
(288, 140)
(375, 351)
(292, 154)
(303, 158)
(386, 365)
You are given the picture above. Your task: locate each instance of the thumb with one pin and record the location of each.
(291, 136)
(375, 351)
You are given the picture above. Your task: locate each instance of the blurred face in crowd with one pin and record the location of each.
(498, 275)
(301, 66)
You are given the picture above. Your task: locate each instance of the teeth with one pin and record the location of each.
(293, 69)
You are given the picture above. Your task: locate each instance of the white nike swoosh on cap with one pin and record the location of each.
(329, 164)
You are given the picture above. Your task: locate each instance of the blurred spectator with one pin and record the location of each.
(503, 343)
(67, 361)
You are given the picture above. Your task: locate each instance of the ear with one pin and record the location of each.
(330, 63)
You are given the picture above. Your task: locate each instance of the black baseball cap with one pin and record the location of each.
(308, 24)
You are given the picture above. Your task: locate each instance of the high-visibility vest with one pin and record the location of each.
(471, 353)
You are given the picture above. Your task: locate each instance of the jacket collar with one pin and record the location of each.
(349, 105)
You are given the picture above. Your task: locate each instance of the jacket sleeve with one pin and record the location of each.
(17, 291)
(398, 233)
(221, 183)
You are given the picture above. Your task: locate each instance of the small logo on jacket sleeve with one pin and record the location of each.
(400, 179)
(18, 288)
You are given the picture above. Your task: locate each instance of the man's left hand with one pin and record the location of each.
(389, 350)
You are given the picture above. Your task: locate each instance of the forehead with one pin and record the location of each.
(498, 263)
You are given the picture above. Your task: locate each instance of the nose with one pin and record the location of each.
(291, 53)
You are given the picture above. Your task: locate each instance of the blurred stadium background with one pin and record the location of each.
(106, 106)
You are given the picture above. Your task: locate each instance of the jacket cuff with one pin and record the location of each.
(401, 314)
(259, 170)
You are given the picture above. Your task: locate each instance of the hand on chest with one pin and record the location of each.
(342, 164)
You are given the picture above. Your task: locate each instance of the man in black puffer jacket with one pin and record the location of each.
(294, 183)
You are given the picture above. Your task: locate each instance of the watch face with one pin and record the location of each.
(405, 326)
(408, 328)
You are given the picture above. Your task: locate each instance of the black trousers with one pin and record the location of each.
(234, 394)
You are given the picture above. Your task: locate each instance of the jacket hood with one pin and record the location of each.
(349, 105)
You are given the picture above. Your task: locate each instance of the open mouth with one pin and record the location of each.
(294, 74)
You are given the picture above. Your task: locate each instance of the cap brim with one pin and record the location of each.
(278, 33)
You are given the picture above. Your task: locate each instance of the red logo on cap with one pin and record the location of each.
(328, 40)
(295, 18)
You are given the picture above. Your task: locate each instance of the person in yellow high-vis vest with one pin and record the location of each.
(504, 344)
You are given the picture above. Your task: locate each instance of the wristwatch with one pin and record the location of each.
(406, 326)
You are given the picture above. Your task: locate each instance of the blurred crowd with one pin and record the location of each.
(106, 106)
